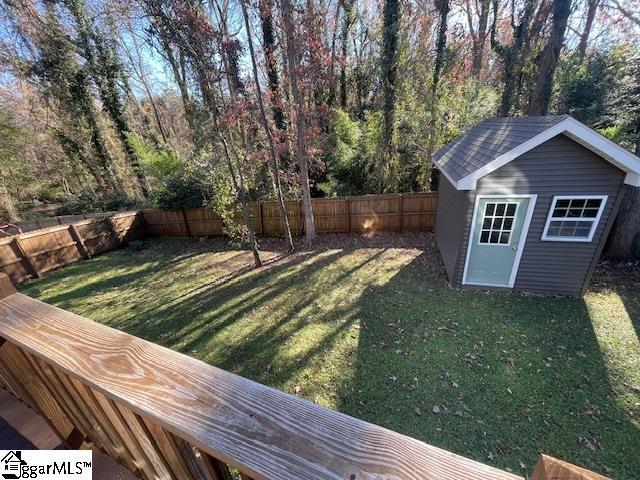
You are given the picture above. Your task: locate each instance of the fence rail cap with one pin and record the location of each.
(261, 431)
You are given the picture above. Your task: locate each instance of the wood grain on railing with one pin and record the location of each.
(549, 468)
(165, 415)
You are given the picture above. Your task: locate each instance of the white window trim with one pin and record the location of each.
(515, 216)
(522, 240)
(595, 220)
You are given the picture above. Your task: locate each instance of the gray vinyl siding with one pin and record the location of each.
(560, 166)
(450, 215)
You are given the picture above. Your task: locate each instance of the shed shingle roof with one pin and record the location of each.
(487, 141)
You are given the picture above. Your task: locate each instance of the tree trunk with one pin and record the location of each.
(624, 238)
(480, 38)
(539, 100)
(443, 11)
(241, 194)
(7, 206)
(269, 49)
(97, 142)
(512, 54)
(584, 37)
(231, 52)
(390, 29)
(178, 74)
(286, 230)
(310, 229)
(138, 67)
(346, 28)
(106, 71)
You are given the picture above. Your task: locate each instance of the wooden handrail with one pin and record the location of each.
(263, 432)
(163, 414)
(549, 468)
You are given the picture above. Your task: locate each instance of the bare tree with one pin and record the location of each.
(525, 24)
(389, 60)
(479, 9)
(626, 11)
(136, 60)
(592, 7)
(539, 100)
(275, 172)
(443, 11)
(347, 23)
(193, 34)
(309, 226)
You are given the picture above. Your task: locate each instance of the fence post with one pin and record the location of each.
(348, 214)
(261, 215)
(27, 258)
(186, 223)
(401, 213)
(301, 217)
(82, 248)
(6, 287)
(112, 229)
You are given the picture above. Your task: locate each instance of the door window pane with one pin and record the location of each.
(498, 223)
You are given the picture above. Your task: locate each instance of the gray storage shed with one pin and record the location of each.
(526, 203)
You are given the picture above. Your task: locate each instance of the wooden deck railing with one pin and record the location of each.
(166, 415)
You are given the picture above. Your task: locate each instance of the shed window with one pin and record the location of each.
(574, 219)
(497, 223)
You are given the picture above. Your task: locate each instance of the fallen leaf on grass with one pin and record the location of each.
(590, 443)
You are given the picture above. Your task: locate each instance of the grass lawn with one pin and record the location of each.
(373, 330)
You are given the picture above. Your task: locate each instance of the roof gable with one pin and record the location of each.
(495, 142)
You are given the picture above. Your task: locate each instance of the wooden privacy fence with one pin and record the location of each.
(40, 223)
(165, 415)
(31, 255)
(380, 213)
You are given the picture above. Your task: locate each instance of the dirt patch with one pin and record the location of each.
(615, 275)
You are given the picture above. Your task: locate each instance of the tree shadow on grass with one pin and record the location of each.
(373, 330)
(195, 323)
(120, 268)
(497, 377)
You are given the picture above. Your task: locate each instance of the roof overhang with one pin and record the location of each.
(589, 138)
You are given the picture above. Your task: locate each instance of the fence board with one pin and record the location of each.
(364, 214)
(42, 223)
(34, 253)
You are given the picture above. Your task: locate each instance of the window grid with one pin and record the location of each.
(573, 219)
(497, 223)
